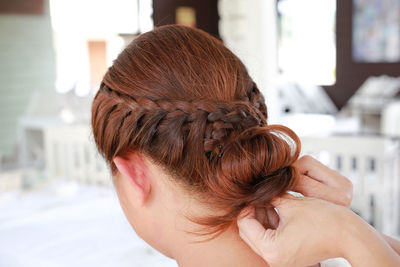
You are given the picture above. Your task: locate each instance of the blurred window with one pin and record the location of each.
(307, 41)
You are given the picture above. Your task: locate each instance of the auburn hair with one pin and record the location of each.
(179, 96)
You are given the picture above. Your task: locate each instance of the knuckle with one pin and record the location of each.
(350, 194)
(345, 198)
(347, 184)
(306, 161)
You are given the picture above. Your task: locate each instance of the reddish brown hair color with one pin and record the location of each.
(179, 96)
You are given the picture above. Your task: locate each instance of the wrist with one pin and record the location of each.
(362, 245)
(348, 232)
(355, 231)
(341, 233)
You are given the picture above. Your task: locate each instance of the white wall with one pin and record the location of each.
(249, 29)
(26, 65)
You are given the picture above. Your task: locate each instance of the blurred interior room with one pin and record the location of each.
(329, 70)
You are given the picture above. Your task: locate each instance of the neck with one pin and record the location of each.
(228, 249)
(175, 235)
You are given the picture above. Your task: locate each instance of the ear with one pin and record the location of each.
(133, 167)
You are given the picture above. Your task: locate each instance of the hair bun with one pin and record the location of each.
(254, 168)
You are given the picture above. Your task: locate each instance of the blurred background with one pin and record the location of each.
(328, 69)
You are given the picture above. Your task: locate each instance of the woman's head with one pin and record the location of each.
(179, 98)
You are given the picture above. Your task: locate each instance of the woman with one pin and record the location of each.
(184, 130)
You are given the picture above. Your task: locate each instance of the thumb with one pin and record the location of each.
(284, 201)
(285, 207)
(253, 233)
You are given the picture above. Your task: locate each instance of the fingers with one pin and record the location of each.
(312, 188)
(285, 207)
(311, 167)
(265, 241)
(317, 180)
(283, 201)
(251, 230)
(304, 234)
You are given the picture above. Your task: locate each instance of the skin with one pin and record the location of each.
(157, 208)
(318, 226)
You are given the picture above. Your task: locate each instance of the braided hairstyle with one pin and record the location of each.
(179, 96)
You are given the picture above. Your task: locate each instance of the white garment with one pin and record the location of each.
(336, 262)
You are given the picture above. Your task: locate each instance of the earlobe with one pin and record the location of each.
(134, 168)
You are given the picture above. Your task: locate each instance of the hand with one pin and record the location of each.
(309, 231)
(315, 180)
(318, 181)
(359, 242)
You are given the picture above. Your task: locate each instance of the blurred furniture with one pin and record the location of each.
(70, 153)
(31, 133)
(300, 98)
(47, 109)
(373, 165)
(390, 124)
(371, 100)
(62, 150)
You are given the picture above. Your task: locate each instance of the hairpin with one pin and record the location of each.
(220, 153)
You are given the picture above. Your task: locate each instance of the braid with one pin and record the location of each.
(256, 99)
(142, 118)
